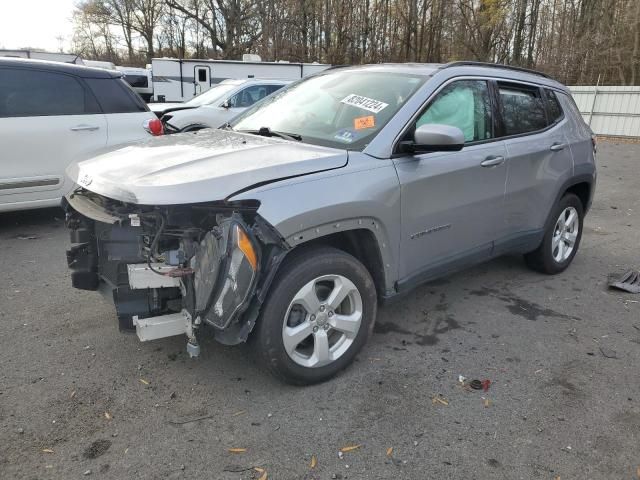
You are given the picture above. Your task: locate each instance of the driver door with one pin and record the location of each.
(452, 203)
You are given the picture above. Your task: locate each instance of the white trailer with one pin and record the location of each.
(37, 55)
(140, 80)
(179, 80)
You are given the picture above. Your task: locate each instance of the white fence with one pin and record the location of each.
(611, 111)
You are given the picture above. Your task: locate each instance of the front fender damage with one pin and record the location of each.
(175, 269)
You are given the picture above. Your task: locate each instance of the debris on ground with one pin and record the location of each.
(608, 353)
(237, 468)
(96, 449)
(87, 472)
(480, 384)
(236, 450)
(314, 462)
(182, 422)
(108, 416)
(47, 450)
(629, 281)
(143, 381)
(476, 384)
(462, 379)
(439, 399)
(27, 237)
(389, 452)
(350, 448)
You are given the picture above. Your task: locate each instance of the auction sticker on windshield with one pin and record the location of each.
(364, 122)
(365, 103)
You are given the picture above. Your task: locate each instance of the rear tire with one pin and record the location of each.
(319, 314)
(561, 239)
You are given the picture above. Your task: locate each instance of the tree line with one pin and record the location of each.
(575, 41)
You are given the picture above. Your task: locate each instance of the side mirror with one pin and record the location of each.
(434, 138)
(226, 104)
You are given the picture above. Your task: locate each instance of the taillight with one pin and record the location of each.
(154, 127)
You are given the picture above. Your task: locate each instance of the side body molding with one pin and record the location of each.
(365, 194)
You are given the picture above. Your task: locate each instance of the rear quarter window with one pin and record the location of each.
(554, 110)
(115, 96)
(35, 93)
(522, 109)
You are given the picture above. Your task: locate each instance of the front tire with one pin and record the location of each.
(562, 238)
(318, 315)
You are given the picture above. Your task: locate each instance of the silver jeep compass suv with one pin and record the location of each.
(287, 226)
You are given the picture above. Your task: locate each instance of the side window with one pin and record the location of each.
(202, 75)
(273, 88)
(115, 95)
(554, 110)
(522, 109)
(248, 96)
(34, 93)
(464, 104)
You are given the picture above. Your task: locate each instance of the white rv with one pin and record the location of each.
(140, 80)
(37, 55)
(179, 80)
(99, 64)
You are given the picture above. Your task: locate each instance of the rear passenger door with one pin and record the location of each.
(47, 121)
(539, 158)
(125, 111)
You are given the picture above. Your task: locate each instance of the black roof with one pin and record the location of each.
(68, 68)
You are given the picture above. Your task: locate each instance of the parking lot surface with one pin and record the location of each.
(78, 399)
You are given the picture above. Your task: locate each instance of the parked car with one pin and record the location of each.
(54, 113)
(341, 191)
(216, 106)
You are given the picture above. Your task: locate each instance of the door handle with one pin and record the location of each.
(80, 128)
(556, 147)
(492, 161)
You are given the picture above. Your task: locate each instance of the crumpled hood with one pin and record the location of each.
(199, 167)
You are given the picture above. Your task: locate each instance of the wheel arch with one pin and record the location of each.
(582, 186)
(360, 242)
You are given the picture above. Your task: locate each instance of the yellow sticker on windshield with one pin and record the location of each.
(364, 122)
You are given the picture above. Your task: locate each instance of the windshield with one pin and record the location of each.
(212, 95)
(342, 109)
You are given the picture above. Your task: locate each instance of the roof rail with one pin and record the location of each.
(470, 63)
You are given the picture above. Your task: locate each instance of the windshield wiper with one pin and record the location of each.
(267, 132)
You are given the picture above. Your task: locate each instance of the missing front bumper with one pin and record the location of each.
(155, 277)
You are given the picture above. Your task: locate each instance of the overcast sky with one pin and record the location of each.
(35, 23)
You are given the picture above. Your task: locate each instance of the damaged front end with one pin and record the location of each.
(171, 269)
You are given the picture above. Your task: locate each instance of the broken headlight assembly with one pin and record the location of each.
(225, 268)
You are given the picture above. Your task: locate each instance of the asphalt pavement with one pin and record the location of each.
(78, 399)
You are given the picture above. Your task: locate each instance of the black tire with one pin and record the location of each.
(541, 259)
(300, 268)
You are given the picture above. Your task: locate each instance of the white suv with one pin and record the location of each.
(216, 106)
(52, 114)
